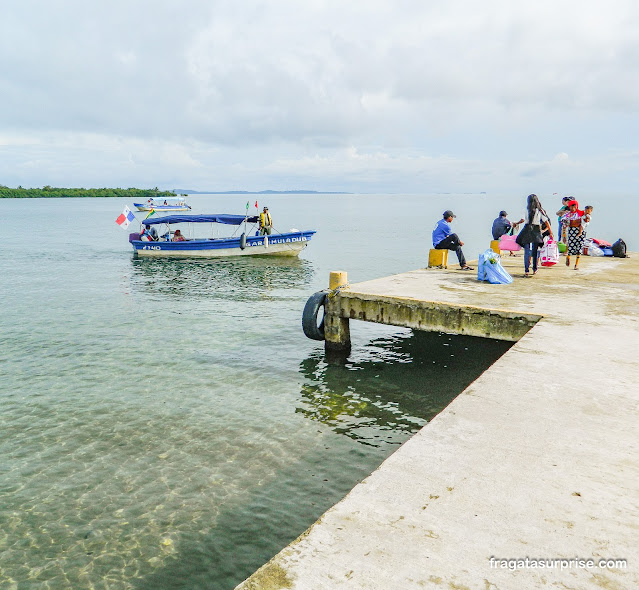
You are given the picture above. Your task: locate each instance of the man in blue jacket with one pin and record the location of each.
(445, 239)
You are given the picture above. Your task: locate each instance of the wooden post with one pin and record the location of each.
(337, 331)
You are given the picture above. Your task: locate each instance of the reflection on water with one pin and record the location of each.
(394, 385)
(379, 396)
(237, 278)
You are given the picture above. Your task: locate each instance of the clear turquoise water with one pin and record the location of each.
(166, 424)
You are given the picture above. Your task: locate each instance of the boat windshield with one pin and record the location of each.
(170, 200)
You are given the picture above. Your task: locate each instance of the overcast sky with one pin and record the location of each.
(376, 96)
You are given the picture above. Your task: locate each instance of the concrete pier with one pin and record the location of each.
(538, 459)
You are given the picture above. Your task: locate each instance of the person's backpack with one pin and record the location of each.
(619, 249)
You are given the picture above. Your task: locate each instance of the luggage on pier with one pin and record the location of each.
(489, 269)
(549, 253)
(509, 242)
(602, 243)
(619, 249)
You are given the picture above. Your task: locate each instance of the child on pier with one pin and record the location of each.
(585, 220)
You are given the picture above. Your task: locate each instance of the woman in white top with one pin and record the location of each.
(530, 236)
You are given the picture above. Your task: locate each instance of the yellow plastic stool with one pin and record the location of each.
(494, 246)
(437, 258)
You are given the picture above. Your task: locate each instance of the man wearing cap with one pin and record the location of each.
(266, 223)
(502, 225)
(445, 239)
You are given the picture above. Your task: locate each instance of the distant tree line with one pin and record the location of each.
(62, 193)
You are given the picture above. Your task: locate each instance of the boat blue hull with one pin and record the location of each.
(288, 244)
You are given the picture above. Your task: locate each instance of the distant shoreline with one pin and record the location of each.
(135, 193)
(49, 192)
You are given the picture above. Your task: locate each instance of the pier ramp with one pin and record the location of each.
(529, 479)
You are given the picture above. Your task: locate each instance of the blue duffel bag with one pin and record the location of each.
(489, 269)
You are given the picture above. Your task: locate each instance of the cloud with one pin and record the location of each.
(263, 86)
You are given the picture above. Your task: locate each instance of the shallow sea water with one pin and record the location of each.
(166, 424)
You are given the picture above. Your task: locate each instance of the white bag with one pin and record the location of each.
(549, 253)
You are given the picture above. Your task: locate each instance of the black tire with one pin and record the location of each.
(310, 313)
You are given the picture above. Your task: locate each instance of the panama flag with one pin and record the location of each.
(125, 218)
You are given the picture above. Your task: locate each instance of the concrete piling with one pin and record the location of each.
(336, 328)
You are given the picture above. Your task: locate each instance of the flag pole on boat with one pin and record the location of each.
(243, 236)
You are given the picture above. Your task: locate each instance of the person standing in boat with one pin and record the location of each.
(445, 239)
(266, 222)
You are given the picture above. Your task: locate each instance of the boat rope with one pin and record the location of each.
(281, 234)
(245, 230)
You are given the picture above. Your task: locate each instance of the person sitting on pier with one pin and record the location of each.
(445, 239)
(502, 225)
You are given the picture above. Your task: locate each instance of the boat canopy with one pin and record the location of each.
(217, 218)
